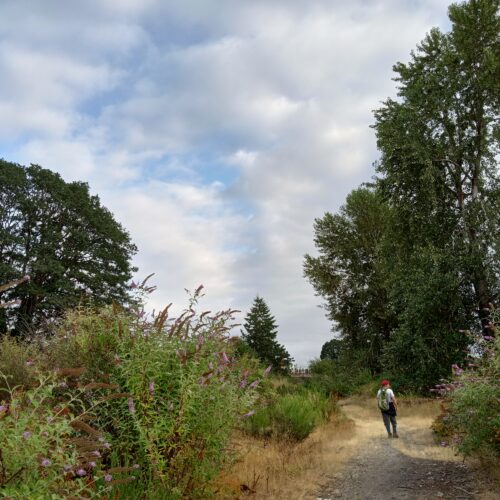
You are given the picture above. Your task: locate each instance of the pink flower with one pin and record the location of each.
(29, 362)
(152, 388)
(26, 434)
(92, 464)
(108, 478)
(96, 453)
(243, 384)
(268, 370)
(249, 414)
(254, 384)
(81, 472)
(46, 462)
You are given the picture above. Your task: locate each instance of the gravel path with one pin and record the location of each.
(412, 467)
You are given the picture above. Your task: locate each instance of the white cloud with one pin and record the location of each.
(216, 131)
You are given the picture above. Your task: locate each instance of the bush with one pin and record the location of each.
(471, 413)
(338, 378)
(178, 394)
(40, 457)
(292, 416)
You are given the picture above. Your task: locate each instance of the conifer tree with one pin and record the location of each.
(260, 335)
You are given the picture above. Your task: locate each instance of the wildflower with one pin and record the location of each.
(249, 414)
(92, 465)
(268, 370)
(46, 462)
(225, 359)
(243, 384)
(108, 478)
(488, 337)
(96, 453)
(254, 384)
(81, 472)
(29, 362)
(152, 388)
(131, 406)
(443, 443)
(26, 434)
(107, 446)
(3, 408)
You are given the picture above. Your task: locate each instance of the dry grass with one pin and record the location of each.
(284, 469)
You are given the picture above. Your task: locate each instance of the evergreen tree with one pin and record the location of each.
(64, 239)
(260, 335)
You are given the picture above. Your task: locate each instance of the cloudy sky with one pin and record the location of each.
(215, 130)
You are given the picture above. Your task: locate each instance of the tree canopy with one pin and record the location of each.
(64, 239)
(423, 267)
(260, 331)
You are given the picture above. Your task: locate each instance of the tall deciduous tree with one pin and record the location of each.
(260, 332)
(64, 239)
(349, 275)
(439, 146)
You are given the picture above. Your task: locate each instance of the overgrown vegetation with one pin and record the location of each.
(471, 407)
(144, 406)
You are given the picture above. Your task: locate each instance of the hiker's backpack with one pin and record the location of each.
(382, 400)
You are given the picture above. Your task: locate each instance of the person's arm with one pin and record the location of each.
(394, 400)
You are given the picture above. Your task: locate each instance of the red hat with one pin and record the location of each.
(385, 382)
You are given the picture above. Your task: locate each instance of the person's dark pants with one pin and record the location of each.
(389, 417)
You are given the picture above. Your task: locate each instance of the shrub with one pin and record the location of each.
(292, 416)
(39, 454)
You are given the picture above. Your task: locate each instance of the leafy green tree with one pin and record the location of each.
(64, 239)
(349, 275)
(331, 349)
(260, 335)
(439, 144)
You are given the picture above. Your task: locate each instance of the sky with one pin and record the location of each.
(216, 131)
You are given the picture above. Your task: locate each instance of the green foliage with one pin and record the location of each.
(331, 349)
(406, 266)
(167, 394)
(64, 239)
(337, 378)
(349, 276)
(474, 409)
(260, 336)
(39, 458)
(292, 415)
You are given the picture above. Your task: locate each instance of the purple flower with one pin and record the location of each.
(108, 477)
(96, 453)
(131, 406)
(29, 362)
(3, 408)
(488, 337)
(81, 472)
(254, 384)
(46, 462)
(92, 464)
(107, 446)
(268, 370)
(152, 388)
(243, 384)
(249, 414)
(225, 359)
(26, 434)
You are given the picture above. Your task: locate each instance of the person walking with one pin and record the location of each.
(388, 406)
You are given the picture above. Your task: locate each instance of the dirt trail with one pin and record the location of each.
(412, 467)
